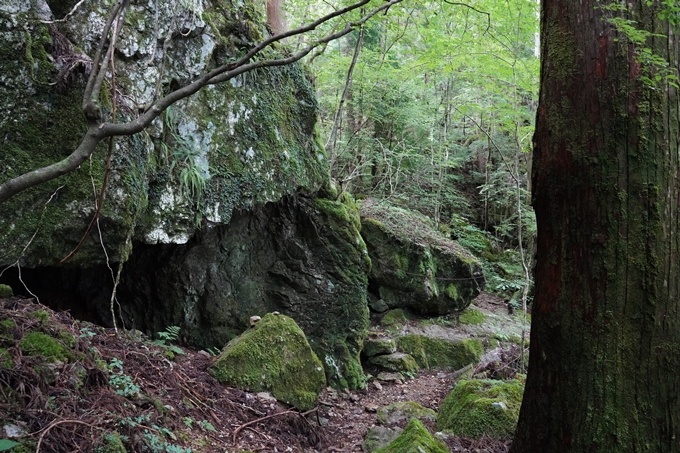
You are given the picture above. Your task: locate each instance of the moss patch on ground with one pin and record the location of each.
(273, 356)
(481, 407)
(38, 343)
(471, 316)
(441, 353)
(415, 438)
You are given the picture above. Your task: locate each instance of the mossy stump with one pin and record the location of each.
(273, 356)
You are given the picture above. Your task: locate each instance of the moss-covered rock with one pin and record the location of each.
(38, 343)
(379, 437)
(441, 353)
(395, 362)
(481, 407)
(218, 193)
(393, 317)
(404, 410)
(245, 142)
(415, 439)
(273, 356)
(415, 266)
(379, 346)
(6, 291)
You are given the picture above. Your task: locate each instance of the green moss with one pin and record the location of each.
(6, 360)
(110, 442)
(415, 438)
(396, 362)
(441, 353)
(6, 291)
(42, 315)
(452, 291)
(392, 317)
(67, 338)
(400, 410)
(38, 343)
(471, 316)
(481, 407)
(273, 356)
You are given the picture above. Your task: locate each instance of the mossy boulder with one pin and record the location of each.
(395, 362)
(481, 407)
(301, 256)
(379, 346)
(414, 265)
(393, 317)
(404, 410)
(6, 291)
(273, 356)
(440, 352)
(378, 437)
(245, 142)
(415, 439)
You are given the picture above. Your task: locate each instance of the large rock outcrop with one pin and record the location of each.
(231, 146)
(414, 266)
(213, 208)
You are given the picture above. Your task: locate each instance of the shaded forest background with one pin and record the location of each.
(431, 108)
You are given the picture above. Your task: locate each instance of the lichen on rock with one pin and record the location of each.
(273, 356)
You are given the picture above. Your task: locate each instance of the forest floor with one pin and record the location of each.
(123, 385)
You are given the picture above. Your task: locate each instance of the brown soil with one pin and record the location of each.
(179, 405)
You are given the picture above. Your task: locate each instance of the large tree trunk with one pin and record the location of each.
(604, 373)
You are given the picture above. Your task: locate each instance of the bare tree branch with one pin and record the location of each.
(97, 131)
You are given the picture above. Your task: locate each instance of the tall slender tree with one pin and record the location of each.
(605, 341)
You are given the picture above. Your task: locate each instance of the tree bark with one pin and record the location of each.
(605, 340)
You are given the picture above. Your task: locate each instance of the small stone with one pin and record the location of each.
(276, 313)
(499, 405)
(254, 320)
(370, 407)
(377, 386)
(204, 354)
(13, 430)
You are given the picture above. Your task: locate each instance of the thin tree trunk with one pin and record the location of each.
(332, 139)
(605, 338)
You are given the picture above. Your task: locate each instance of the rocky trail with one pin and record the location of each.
(114, 392)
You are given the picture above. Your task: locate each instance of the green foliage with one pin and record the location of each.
(121, 382)
(6, 444)
(655, 68)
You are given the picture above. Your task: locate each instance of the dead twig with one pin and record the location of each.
(261, 419)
